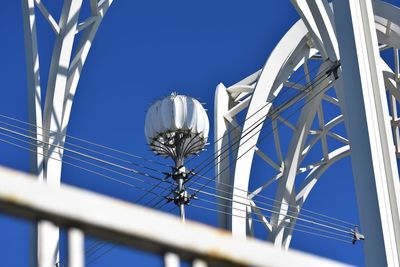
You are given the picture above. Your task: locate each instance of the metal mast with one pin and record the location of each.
(177, 127)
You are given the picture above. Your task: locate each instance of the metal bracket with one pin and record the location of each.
(357, 236)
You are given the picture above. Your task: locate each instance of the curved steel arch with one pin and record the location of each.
(315, 31)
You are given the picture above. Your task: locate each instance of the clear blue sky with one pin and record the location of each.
(143, 51)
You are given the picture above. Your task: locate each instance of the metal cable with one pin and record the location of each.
(93, 164)
(287, 227)
(269, 133)
(263, 138)
(156, 185)
(88, 170)
(261, 108)
(88, 142)
(263, 118)
(148, 191)
(81, 147)
(102, 254)
(80, 154)
(273, 200)
(276, 212)
(163, 197)
(160, 182)
(282, 220)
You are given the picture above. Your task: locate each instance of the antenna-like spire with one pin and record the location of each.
(177, 127)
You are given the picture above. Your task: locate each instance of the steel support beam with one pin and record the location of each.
(221, 145)
(33, 78)
(367, 120)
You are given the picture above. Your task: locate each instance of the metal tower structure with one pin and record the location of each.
(63, 77)
(343, 39)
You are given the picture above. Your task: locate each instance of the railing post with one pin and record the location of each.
(171, 260)
(199, 263)
(76, 248)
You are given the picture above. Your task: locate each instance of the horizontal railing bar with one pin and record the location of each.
(117, 221)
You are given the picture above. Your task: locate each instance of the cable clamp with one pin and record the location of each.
(180, 173)
(181, 197)
(357, 236)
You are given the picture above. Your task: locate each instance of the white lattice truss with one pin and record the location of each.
(311, 42)
(63, 77)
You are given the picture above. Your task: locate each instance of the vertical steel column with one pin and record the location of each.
(33, 78)
(372, 148)
(222, 162)
(34, 103)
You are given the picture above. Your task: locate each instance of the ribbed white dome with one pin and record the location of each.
(176, 114)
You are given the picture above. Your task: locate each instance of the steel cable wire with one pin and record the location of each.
(282, 220)
(313, 218)
(80, 153)
(261, 108)
(96, 165)
(87, 141)
(196, 205)
(262, 138)
(154, 185)
(291, 228)
(81, 147)
(139, 199)
(163, 197)
(263, 118)
(277, 212)
(86, 169)
(269, 133)
(273, 200)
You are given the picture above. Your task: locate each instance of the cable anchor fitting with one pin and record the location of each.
(334, 69)
(357, 236)
(180, 175)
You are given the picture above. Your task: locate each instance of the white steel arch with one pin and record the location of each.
(63, 77)
(311, 38)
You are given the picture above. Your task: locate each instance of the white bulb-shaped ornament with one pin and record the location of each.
(177, 127)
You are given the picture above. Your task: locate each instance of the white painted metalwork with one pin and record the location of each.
(373, 155)
(64, 72)
(76, 248)
(312, 42)
(176, 116)
(137, 227)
